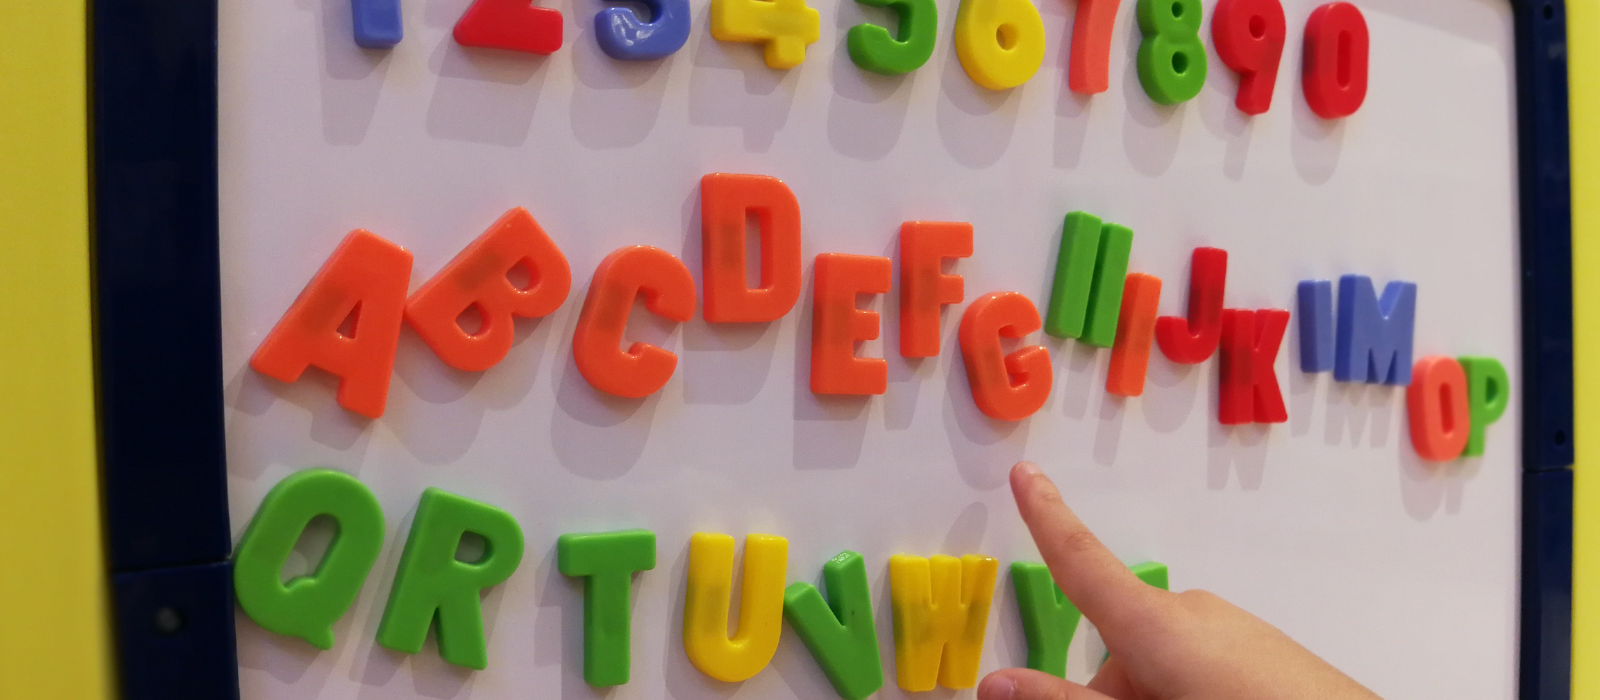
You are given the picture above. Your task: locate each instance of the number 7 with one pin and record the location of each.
(1090, 68)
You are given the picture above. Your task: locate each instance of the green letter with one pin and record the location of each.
(843, 640)
(1152, 573)
(307, 606)
(431, 581)
(607, 561)
(1048, 619)
(1488, 393)
(1087, 296)
(872, 48)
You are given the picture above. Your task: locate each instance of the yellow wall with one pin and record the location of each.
(53, 634)
(1583, 18)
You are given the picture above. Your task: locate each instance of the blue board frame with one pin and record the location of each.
(158, 341)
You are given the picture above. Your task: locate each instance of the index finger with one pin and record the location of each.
(1091, 576)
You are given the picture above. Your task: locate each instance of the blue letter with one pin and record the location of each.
(377, 23)
(1375, 336)
(1316, 325)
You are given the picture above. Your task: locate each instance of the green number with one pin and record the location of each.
(307, 606)
(873, 49)
(1172, 59)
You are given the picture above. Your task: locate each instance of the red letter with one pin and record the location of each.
(1005, 387)
(1089, 69)
(924, 288)
(668, 291)
(1249, 392)
(1437, 404)
(725, 201)
(1130, 356)
(1193, 340)
(1249, 35)
(1335, 71)
(363, 281)
(477, 278)
(837, 324)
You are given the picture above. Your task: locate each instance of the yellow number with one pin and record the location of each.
(785, 26)
(999, 42)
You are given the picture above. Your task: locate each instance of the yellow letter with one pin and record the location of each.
(941, 611)
(710, 591)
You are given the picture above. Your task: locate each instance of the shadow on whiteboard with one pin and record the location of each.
(1236, 450)
(330, 424)
(1150, 131)
(867, 113)
(483, 95)
(352, 78)
(829, 431)
(984, 448)
(1429, 487)
(731, 86)
(596, 435)
(615, 103)
(975, 123)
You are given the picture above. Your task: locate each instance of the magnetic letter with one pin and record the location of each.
(1152, 573)
(709, 593)
(1374, 340)
(1048, 619)
(726, 201)
(873, 48)
(1130, 357)
(1335, 68)
(607, 562)
(625, 37)
(941, 612)
(307, 606)
(432, 583)
(924, 288)
(840, 631)
(1087, 295)
(668, 291)
(1315, 303)
(784, 27)
(1005, 387)
(1249, 36)
(1488, 394)
(364, 281)
(837, 324)
(1249, 387)
(1436, 403)
(1193, 340)
(513, 25)
(476, 278)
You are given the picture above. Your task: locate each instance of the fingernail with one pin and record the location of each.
(997, 688)
(1028, 468)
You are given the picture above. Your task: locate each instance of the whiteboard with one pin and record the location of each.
(1328, 526)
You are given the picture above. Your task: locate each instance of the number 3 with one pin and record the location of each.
(999, 42)
(1172, 59)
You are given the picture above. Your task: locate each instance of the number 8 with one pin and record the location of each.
(1172, 59)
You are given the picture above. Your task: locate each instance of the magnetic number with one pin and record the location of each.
(1249, 35)
(1089, 71)
(874, 49)
(624, 36)
(785, 27)
(999, 42)
(1172, 59)
(1335, 77)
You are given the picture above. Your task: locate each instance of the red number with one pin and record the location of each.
(1249, 35)
(1335, 78)
(1089, 71)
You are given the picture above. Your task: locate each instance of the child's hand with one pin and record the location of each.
(1164, 646)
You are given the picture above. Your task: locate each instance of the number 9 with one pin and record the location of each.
(999, 42)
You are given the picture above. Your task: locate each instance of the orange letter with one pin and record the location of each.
(1130, 356)
(668, 291)
(725, 201)
(364, 281)
(1437, 404)
(477, 278)
(924, 288)
(837, 324)
(1006, 387)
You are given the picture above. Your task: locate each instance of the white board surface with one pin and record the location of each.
(1401, 573)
